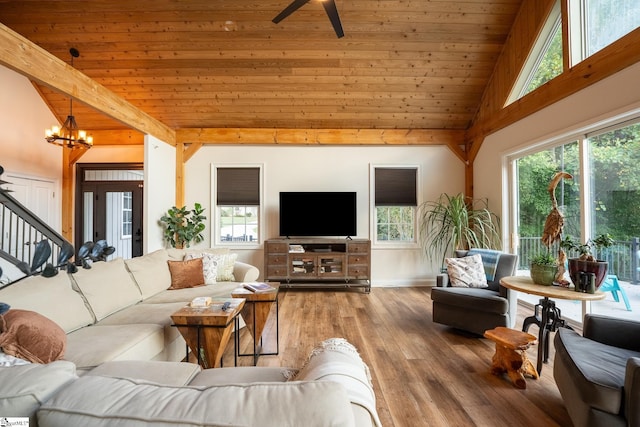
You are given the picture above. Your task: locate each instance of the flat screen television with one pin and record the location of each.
(318, 214)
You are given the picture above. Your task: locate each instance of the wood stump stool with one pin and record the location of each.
(511, 354)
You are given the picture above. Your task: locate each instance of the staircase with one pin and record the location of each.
(20, 231)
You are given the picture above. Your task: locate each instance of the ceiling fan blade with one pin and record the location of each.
(295, 5)
(332, 12)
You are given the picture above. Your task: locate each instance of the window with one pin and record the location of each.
(605, 21)
(237, 195)
(592, 24)
(595, 24)
(545, 59)
(602, 197)
(127, 222)
(395, 198)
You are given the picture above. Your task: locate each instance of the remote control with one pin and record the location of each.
(225, 306)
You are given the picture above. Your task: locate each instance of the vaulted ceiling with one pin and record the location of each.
(402, 64)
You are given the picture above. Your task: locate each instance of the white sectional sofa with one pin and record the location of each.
(122, 360)
(120, 309)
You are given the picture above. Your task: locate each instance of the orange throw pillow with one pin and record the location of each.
(186, 274)
(31, 336)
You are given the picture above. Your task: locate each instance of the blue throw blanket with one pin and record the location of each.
(489, 260)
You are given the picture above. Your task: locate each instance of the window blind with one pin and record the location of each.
(395, 187)
(238, 186)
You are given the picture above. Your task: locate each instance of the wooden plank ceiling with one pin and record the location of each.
(402, 64)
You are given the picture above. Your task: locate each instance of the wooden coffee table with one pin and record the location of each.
(546, 315)
(207, 329)
(255, 314)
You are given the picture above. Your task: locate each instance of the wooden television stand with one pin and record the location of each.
(331, 262)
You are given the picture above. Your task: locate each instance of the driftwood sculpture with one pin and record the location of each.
(511, 354)
(555, 220)
(554, 224)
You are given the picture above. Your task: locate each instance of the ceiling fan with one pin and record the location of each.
(329, 7)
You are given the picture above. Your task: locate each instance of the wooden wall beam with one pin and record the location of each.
(454, 139)
(28, 59)
(117, 137)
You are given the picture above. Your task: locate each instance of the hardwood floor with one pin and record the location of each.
(424, 374)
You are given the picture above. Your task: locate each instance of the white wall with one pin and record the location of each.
(159, 189)
(610, 99)
(23, 120)
(331, 168)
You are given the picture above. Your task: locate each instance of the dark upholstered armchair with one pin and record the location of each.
(598, 373)
(476, 309)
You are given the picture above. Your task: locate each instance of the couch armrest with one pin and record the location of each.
(244, 272)
(442, 280)
(632, 391)
(612, 331)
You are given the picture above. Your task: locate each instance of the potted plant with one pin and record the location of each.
(586, 262)
(457, 222)
(543, 268)
(183, 226)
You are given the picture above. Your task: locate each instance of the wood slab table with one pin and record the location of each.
(207, 329)
(546, 315)
(255, 314)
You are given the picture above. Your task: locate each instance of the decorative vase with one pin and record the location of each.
(543, 274)
(598, 268)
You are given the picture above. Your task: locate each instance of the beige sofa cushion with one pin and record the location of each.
(150, 272)
(186, 295)
(337, 360)
(92, 346)
(146, 404)
(107, 287)
(52, 297)
(241, 374)
(24, 388)
(179, 254)
(168, 373)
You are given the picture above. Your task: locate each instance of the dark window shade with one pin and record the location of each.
(238, 186)
(395, 187)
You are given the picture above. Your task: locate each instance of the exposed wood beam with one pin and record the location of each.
(180, 148)
(117, 137)
(191, 150)
(451, 138)
(28, 59)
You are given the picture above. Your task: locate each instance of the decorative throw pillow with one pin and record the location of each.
(467, 272)
(31, 336)
(186, 274)
(225, 267)
(209, 266)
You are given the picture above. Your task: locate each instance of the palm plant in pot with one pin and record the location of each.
(457, 222)
(587, 262)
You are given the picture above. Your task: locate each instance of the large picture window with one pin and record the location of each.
(602, 197)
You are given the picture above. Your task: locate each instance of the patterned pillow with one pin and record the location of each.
(467, 272)
(225, 267)
(209, 266)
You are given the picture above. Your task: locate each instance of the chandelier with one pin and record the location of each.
(69, 135)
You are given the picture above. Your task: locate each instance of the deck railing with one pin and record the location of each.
(623, 256)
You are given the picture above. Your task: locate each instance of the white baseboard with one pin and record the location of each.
(405, 283)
